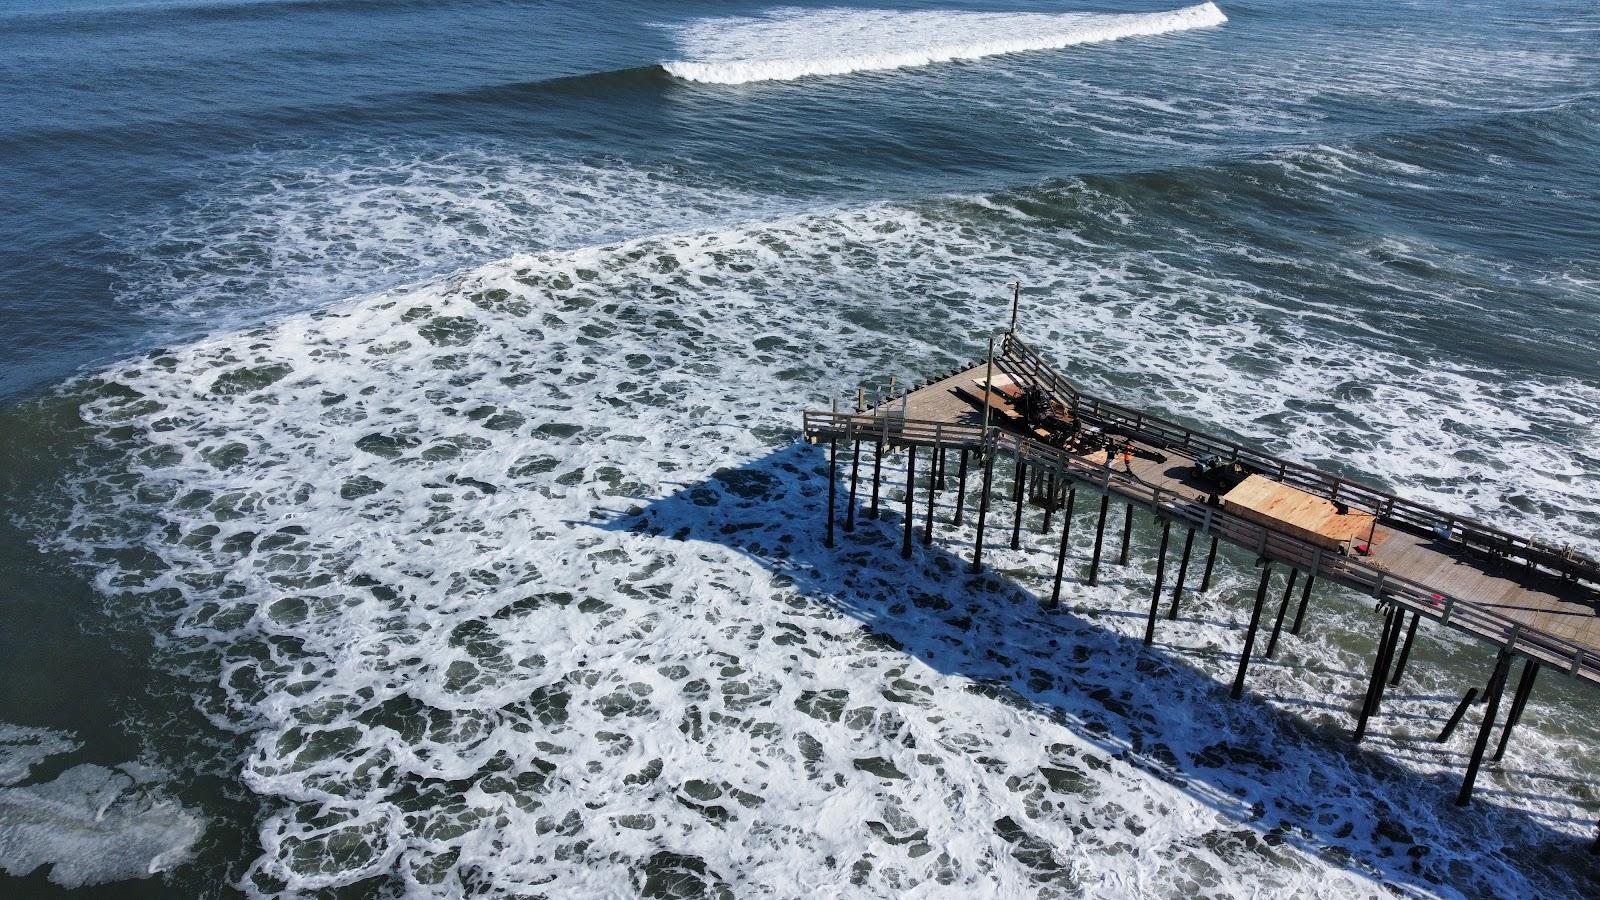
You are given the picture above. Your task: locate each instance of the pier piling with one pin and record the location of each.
(833, 487)
(1066, 534)
(877, 476)
(1161, 570)
(1283, 607)
(1127, 535)
(983, 507)
(1497, 685)
(911, 471)
(1183, 571)
(1250, 633)
(1370, 703)
(1530, 671)
(1099, 539)
(961, 488)
(1211, 560)
(1021, 501)
(855, 470)
(1305, 598)
(1467, 700)
(1405, 651)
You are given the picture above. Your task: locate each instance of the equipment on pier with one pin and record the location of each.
(1221, 474)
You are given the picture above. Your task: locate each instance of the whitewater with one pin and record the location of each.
(791, 43)
(411, 500)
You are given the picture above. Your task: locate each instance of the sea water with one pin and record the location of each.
(402, 492)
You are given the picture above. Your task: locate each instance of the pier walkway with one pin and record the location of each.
(1530, 600)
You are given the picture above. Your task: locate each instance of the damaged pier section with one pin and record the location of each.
(1532, 602)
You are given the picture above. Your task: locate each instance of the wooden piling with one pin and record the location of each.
(1183, 571)
(1099, 539)
(1066, 534)
(1530, 671)
(1049, 501)
(1497, 685)
(1021, 498)
(1455, 717)
(1250, 633)
(833, 487)
(877, 476)
(1305, 598)
(961, 488)
(1127, 535)
(1405, 651)
(1161, 571)
(933, 488)
(1211, 560)
(1392, 619)
(855, 470)
(911, 471)
(983, 507)
(1283, 608)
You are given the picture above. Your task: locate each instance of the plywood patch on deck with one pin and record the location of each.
(1304, 515)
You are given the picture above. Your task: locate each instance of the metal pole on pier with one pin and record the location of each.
(988, 383)
(1016, 299)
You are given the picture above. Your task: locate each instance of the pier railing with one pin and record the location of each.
(1266, 542)
(1026, 366)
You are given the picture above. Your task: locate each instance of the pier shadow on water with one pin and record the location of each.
(1272, 781)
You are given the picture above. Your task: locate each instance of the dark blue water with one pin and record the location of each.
(1363, 232)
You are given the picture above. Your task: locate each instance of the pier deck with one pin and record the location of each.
(1522, 596)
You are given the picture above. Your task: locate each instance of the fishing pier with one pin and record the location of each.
(1537, 605)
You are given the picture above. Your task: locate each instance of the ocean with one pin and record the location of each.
(399, 459)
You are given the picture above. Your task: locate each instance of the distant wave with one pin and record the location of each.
(794, 43)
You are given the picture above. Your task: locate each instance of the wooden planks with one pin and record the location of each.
(1306, 516)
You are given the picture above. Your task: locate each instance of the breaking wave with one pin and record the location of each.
(796, 43)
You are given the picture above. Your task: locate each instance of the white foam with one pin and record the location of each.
(791, 43)
(90, 824)
(291, 231)
(21, 748)
(385, 522)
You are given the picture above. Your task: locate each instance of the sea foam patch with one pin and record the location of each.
(786, 44)
(90, 824)
(527, 558)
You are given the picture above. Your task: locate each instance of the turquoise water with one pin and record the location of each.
(352, 347)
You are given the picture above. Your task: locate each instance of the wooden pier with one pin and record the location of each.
(1532, 601)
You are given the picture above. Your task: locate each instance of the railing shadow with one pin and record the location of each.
(772, 510)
